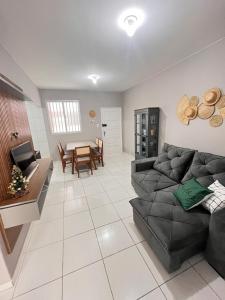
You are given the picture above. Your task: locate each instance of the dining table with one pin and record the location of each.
(72, 145)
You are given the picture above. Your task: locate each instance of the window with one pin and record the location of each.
(64, 116)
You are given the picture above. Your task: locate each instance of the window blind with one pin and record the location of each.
(64, 116)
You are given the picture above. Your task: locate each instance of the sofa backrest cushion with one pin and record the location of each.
(173, 161)
(206, 168)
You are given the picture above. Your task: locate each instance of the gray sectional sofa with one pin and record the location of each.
(173, 233)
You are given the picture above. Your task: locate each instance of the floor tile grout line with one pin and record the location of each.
(135, 244)
(27, 252)
(139, 298)
(92, 263)
(134, 241)
(94, 229)
(163, 292)
(188, 268)
(81, 233)
(37, 287)
(159, 285)
(44, 246)
(77, 234)
(22, 263)
(102, 257)
(147, 265)
(81, 268)
(206, 282)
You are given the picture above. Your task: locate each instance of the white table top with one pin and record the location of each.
(72, 146)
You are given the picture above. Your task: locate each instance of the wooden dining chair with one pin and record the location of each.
(98, 155)
(65, 158)
(65, 151)
(82, 157)
(97, 143)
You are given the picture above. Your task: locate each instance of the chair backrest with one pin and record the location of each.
(100, 146)
(82, 151)
(61, 146)
(97, 141)
(61, 152)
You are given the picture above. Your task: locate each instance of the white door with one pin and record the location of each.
(111, 130)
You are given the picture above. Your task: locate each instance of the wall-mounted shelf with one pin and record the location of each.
(15, 212)
(7, 86)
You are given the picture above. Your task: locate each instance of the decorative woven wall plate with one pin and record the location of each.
(216, 121)
(221, 102)
(222, 112)
(92, 114)
(205, 111)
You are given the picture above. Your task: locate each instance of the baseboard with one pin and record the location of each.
(6, 286)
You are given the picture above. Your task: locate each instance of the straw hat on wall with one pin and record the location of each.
(212, 96)
(187, 109)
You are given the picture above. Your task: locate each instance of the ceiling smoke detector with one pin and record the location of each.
(130, 20)
(94, 78)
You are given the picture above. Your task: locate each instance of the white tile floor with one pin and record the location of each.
(87, 247)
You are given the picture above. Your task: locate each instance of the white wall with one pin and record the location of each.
(89, 100)
(5, 278)
(37, 127)
(10, 69)
(192, 77)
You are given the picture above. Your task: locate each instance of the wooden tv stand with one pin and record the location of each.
(15, 212)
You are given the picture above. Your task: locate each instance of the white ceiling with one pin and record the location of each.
(59, 42)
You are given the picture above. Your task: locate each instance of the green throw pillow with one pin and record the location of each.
(191, 194)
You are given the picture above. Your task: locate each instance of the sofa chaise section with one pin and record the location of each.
(173, 233)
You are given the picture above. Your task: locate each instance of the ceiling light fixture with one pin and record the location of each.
(130, 20)
(94, 78)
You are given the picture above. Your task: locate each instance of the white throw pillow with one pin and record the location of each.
(217, 200)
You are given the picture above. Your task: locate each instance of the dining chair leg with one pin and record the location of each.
(94, 164)
(78, 172)
(91, 168)
(64, 166)
(72, 165)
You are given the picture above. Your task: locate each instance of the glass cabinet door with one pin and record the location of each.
(138, 124)
(146, 132)
(144, 118)
(144, 145)
(138, 144)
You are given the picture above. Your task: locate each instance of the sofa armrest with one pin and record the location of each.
(216, 242)
(142, 164)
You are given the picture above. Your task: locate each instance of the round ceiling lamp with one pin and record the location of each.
(94, 78)
(130, 20)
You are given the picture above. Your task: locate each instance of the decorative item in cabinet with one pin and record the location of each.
(146, 132)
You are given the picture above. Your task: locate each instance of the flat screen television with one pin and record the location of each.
(24, 158)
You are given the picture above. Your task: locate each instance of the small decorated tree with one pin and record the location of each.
(18, 185)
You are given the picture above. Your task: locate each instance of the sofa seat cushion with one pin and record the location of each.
(206, 168)
(151, 180)
(173, 161)
(169, 222)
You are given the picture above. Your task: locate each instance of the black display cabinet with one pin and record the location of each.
(146, 132)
